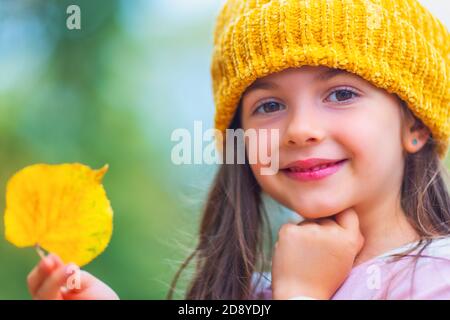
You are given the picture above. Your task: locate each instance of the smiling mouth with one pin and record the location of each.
(314, 173)
(315, 168)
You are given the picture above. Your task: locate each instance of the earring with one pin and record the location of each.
(414, 141)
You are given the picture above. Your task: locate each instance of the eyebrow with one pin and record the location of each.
(322, 76)
(330, 73)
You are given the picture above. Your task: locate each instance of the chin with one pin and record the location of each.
(316, 210)
(317, 214)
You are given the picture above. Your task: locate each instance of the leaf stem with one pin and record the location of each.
(39, 251)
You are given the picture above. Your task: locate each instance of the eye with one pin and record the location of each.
(269, 107)
(342, 95)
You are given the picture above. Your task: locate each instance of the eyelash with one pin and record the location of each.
(348, 89)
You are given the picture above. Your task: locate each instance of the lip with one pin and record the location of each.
(313, 175)
(311, 162)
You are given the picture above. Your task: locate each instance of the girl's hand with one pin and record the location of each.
(315, 257)
(52, 280)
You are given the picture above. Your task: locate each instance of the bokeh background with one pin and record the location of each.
(113, 92)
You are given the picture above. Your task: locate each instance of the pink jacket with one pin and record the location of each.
(380, 278)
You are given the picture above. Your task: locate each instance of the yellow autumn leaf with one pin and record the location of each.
(61, 208)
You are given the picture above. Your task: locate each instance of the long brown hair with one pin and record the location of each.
(231, 245)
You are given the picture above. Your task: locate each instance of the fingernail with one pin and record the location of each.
(49, 263)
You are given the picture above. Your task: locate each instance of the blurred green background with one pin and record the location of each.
(112, 92)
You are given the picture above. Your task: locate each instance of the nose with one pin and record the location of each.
(303, 126)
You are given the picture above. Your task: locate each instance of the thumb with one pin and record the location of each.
(349, 220)
(91, 288)
(77, 282)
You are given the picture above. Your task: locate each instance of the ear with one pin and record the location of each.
(414, 133)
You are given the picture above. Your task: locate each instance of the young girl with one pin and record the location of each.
(359, 92)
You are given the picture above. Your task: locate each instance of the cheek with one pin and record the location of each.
(374, 143)
(262, 147)
(371, 136)
(263, 153)
(360, 140)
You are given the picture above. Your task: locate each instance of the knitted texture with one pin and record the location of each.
(397, 45)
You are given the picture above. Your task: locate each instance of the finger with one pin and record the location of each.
(57, 260)
(88, 286)
(50, 288)
(327, 222)
(348, 219)
(306, 222)
(43, 269)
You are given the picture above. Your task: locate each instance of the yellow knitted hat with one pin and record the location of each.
(397, 45)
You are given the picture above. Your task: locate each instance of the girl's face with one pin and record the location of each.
(329, 114)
